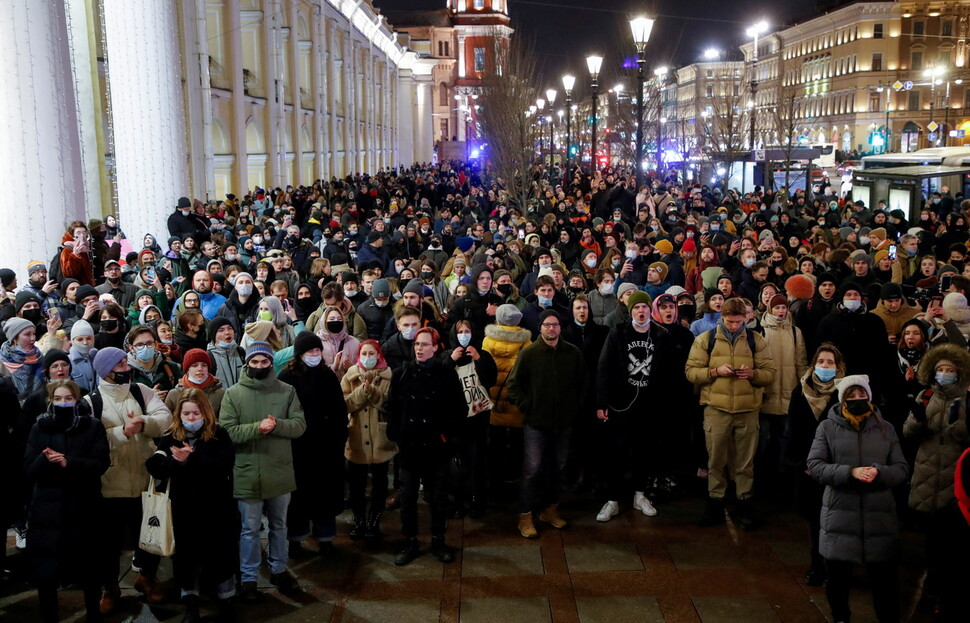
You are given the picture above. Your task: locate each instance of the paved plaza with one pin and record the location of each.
(632, 569)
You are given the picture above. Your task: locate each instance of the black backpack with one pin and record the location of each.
(97, 401)
(54, 270)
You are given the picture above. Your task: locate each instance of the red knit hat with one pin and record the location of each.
(688, 246)
(196, 355)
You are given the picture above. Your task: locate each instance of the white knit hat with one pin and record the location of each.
(81, 328)
(847, 382)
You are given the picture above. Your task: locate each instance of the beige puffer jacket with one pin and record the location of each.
(787, 346)
(367, 441)
(730, 394)
(942, 434)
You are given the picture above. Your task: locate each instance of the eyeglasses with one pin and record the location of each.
(550, 325)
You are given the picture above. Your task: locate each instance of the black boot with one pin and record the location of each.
(191, 610)
(359, 529)
(226, 612)
(477, 510)
(440, 550)
(746, 515)
(373, 526)
(408, 552)
(713, 513)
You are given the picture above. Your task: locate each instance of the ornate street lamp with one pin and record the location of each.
(641, 27)
(594, 63)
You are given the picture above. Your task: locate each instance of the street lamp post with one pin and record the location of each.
(934, 74)
(754, 31)
(551, 97)
(641, 28)
(568, 82)
(565, 156)
(594, 63)
(540, 106)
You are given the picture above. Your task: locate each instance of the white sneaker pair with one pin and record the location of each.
(642, 504)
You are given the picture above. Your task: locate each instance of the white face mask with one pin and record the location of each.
(606, 289)
(84, 349)
(244, 289)
(312, 361)
(198, 379)
(591, 262)
(464, 339)
(409, 333)
(368, 362)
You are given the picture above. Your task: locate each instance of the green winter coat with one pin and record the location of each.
(264, 463)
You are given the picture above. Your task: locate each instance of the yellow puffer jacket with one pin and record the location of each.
(504, 344)
(730, 394)
(787, 346)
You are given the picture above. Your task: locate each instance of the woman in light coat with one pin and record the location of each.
(365, 387)
(856, 456)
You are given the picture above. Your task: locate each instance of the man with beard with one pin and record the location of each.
(40, 286)
(210, 302)
(123, 292)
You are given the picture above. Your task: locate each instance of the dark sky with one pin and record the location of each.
(564, 32)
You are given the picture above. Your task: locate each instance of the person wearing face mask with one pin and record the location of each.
(28, 307)
(184, 221)
(864, 343)
(224, 349)
(368, 451)
(938, 423)
(602, 300)
(811, 400)
(149, 367)
(133, 415)
(787, 346)
(198, 369)
(20, 358)
(477, 371)
(262, 415)
(318, 454)
(857, 458)
(82, 354)
(339, 347)
(376, 311)
(66, 456)
(122, 291)
(196, 457)
(242, 305)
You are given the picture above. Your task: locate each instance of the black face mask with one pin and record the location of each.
(857, 407)
(32, 315)
(121, 377)
(109, 325)
(335, 326)
(686, 312)
(258, 374)
(505, 289)
(427, 275)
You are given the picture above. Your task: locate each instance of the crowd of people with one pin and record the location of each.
(285, 354)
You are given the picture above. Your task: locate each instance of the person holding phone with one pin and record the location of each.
(75, 257)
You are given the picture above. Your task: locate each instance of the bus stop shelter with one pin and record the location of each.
(904, 188)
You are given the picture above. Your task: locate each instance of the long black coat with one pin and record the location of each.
(62, 533)
(318, 454)
(808, 492)
(204, 513)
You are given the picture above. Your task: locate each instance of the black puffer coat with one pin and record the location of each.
(858, 519)
(63, 526)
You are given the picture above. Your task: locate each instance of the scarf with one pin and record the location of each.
(210, 380)
(25, 368)
(817, 394)
(855, 420)
(732, 337)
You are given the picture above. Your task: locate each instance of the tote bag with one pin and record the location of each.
(157, 535)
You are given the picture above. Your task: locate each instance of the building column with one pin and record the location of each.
(146, 112)
(405, 110)
(198, 97)
(240, 180)
(421, 121)
(41, 149)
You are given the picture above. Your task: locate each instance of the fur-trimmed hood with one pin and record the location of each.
(951, 352)
(507, 334)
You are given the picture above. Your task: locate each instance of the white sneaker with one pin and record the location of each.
(610, 510)
(21, 537)
(642, 504)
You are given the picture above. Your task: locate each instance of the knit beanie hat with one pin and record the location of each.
(82, 328)
(891, 291)
(84, 292)
(549, 312)
(625, 287)
(828, 277)
(34, 266)
(196, 355)
(53, 356)
(305, 342)
(106, 359)
(259, 348)
(637, 297)
(464, 244)
(7, 277)
(778, 299)
(664, 246)
(24, 297)
(661, 268)
(860, 255)
(15, 326)
(689, 246)
(709, 292)
(215, 324)
(381, 289)
(508, 315)
(850, 381)
(415, 286)
(799, 287)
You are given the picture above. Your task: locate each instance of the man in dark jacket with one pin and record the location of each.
(542, 384)
(373, 250)
(808, 316)
(425, 410)
(183, 221)
(376, 310)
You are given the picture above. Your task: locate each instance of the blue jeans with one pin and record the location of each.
(251, 513)
(543, 459)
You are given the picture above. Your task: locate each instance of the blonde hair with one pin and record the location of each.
(196, 396)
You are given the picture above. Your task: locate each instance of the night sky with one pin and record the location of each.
(564, 32)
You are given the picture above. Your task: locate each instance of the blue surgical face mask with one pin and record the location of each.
(193, 427)
(825, 374)
(67, 405)
(852, 304)
(946, 378)
(145, 352)
(368, 362)
(409, 333)
(543, 301)
(225, 344)
(912, 251)
(464, 339)
(748, 263)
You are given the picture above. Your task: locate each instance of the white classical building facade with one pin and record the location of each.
(121, 107)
